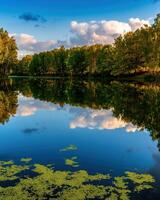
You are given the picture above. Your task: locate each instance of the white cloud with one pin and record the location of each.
(115, 27)
(103, 32)
(29, 106)
(28, 44)
(82, 33)
(136, 23)
(80, 28)
(25, 111)
(101, 119)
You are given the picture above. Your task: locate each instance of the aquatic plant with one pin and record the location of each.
(72, 162)
(141, 181)
(48, 183)
(69, 148)
(9, 171)
(26, 160)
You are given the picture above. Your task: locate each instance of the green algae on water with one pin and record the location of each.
(48, 183)
(69, 148)
(9, 162)
(72, 162)
(26, 160)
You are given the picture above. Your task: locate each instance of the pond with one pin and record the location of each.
(100, 127)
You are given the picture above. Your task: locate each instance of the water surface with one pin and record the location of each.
(114, 126)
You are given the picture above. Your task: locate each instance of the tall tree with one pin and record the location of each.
(8, 52)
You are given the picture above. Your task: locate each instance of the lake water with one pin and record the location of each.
(113, 127)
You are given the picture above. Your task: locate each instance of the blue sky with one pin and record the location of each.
(58, 14)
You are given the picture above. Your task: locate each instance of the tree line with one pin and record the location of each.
(135, 52)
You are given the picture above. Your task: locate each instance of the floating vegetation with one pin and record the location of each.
(69, 148)
(72, 162)
(9, 171)
(141, 181)
(26, 160)
(10, 162)
(48, 183)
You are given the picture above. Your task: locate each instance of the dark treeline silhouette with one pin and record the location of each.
(134, 53)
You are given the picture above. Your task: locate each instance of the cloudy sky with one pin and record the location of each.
(40, 25)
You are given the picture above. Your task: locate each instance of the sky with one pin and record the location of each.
(41, 25)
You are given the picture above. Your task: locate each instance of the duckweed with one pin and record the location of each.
(9, 162)
(72, 162)
(26, 160)
(10, 172)
(48, 183)
(69, 148)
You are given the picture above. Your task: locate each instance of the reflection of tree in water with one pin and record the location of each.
(130, 102)
(138, 104)
(8, 101)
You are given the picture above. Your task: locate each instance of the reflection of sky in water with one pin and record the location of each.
(100, 119)
(84, 118)
(104, 142)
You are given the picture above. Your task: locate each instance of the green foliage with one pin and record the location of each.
(8, 53)
(105, 59)
(22, 68)
(76, 61)
(49, 63)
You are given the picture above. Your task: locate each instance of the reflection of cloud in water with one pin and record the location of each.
(84, 117)
(100, 119)
(29, 106)
(130, 150)
(30, 130)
